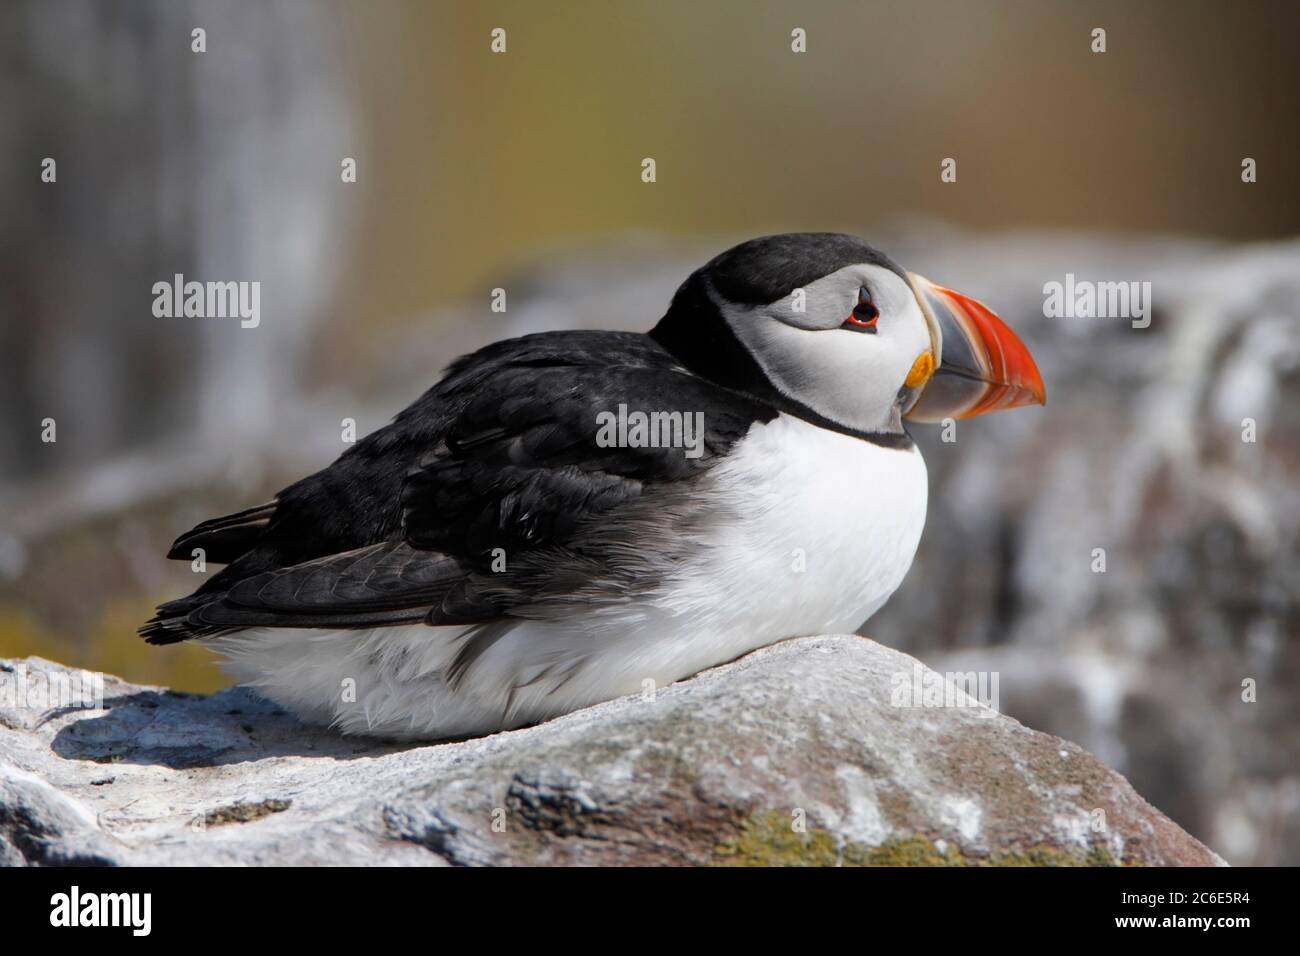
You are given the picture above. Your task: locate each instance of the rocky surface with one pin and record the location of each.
(802, 753)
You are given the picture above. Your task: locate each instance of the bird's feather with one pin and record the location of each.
(482, 500)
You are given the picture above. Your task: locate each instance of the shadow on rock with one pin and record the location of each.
(183, 731)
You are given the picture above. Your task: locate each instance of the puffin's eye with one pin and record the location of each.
(864, 315)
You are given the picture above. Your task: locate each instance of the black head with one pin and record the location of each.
(821, 325)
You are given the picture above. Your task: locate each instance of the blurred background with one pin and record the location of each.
(522, 170)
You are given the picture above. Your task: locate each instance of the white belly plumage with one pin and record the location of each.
(823, 529)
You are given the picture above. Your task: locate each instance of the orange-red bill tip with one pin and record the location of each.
(983, 365)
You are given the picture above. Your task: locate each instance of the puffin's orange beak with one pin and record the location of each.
(982, 365)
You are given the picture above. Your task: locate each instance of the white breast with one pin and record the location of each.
(825, 528)
(816, 530)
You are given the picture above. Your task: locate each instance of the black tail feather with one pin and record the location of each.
(226, 538)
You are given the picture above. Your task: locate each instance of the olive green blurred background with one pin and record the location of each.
(473, 159)
(474, 166)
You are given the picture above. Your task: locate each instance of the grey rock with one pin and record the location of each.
(717, 769)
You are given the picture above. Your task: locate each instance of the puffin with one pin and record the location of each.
(574, 516)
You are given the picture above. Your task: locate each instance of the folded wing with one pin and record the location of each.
(490, 497)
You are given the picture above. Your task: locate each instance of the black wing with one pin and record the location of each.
(488, 497)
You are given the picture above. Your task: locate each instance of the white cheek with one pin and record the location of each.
(850, 377)
(853, 378)
(902, 342)
(867, 368)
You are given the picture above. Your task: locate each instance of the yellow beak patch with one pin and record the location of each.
(921, 371)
